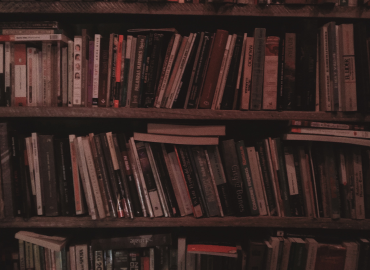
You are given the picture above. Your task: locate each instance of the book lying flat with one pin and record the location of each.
(333, 132)
(187, 140)
(42, 37)
(186, 130)
(324, 138)
(55, 243)
(226, 251)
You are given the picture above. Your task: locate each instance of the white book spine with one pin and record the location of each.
(334, 132)
(79, 206)
(93, 178)
(171, 60)
(95, 93)
(77, 67)
(37, 173)
(22, 259)
(349, 69)
(56, 74)
(46, 59)
(311, 247)
(257, 181)
(220, 74)
(358, 183)
(85, 177)
(182, 69)
(64, 76)
(99, 259)
(141, 178)
(158, 183)
(40, 81)
(351, 256)
(131, 72)
(226, 72)
(325, 94)
(286, 252)
(36, 254)
(72, 258)
(270, 74)
(275, 242)
(30, 164)
(181, 183)
(181, 253)
(70, 72)
(36, 77)
(340, 67)
(31, 83)
(81, 257)
(7, 69)
(171, 173)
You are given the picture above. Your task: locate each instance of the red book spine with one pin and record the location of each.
(213, 248)
(118, 72)
(213, 69)
(20, 58)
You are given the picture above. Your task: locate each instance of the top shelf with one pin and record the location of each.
(165, 8)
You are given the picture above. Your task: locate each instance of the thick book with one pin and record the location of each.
(132, 242)
(210, 82)
(55, 243)
(48, 176)
(185, 140)
(247, 177)
(256, 254)
(186, 130)
(330, 256)
(234, 178)
(258, 69)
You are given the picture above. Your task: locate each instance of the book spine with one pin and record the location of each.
(57, 75)
(103, 72)
(258, 68)
(189, 178)
(77, 70)
(333, 65)
(20, 75)
(210, 82)
(149, 179)
(16, 173)
(64, 76)
(70, 72)
(358, 183)
(146, 59)
(117, 82)
(96, 70)
(131, 72)
(247, 178)
(110, 45)
(325, 84)
(105, 177)
(39, 203)
(306, 183)
(324, 125)
(31, 71)
(269, 99)
(99, 259)
(22, 259)
(140, 46)
(332, 132)
(206, 181)
(2, 76)
(247, 74)
(79, 206)
(237, 96)
(112, 71)
(90, 74)
(81, 257)
(127, 64)
(47, 175)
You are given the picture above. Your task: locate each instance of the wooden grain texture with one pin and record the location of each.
(151, 113)
(247, 222)
(160, 8)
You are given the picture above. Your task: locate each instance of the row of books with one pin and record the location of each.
(163, 173)
(162, 252)
(161, 68)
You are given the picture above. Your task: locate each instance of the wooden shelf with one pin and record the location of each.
(163, 8)
(248, 222)
(150, 113)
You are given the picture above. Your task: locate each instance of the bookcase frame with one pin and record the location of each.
(161, 8)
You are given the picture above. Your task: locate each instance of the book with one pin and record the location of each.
(186, 130)
(214, 250)
(55, 243)
(247, 74)
(329, 256)
(185, 140)
(20, 54)
(323, 138)
(289, 72)
(315, 124)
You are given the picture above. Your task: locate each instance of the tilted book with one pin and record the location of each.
(55, 243)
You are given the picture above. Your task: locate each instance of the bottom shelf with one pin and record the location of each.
(250, 222)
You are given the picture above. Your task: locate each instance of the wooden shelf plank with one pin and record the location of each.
(163, 8)
(151, 113)
(248, 222)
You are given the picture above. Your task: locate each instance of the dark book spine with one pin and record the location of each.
(28, 201)
(280, 88)
(198, 77)
(189, 177)
(130, 178)
(306, 66)
(147, 172)
(103, 72)
(209, 87)
(165, 178)
(120, 259)
(186, 78)
(258, 68)
(363, 258)
(17, 175)
(340, 160)
(134, 260)
(140, 47)
(289, 78)
(47, 175)
(230, 87)
(247, 178)
(282, 176)
(266, 179)
(112, 200)
(362, 67)
(152, 71)
(366, 174)
(299, 200)
(111, 174)
(145, 64)
(113, 86)
(256, 255)
(63, 176)
(2, 76)
(84, 66)
(6, 168)
(233, 176)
